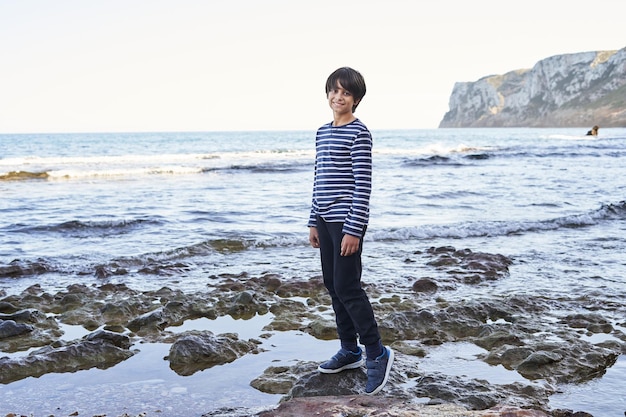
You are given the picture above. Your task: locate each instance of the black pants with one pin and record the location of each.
(342, 278)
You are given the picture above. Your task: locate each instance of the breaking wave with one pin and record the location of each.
(85, 226)
(606, 212)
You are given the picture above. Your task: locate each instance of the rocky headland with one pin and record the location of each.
(571, 90)
(539, 338)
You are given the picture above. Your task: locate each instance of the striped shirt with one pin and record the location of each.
(343, 176)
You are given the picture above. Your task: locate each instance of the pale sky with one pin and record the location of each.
(206, 65)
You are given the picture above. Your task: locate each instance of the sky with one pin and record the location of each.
(215, 65)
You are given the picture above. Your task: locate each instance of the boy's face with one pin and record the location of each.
(340, 100)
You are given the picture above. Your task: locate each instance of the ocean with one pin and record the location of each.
(553, 200)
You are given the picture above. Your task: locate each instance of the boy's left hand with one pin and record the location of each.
(349, 245)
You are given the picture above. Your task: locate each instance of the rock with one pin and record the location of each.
(120, 340)
(580, 89)
(524, 333)
(18, 268)
(322, 329)
(28, 315)
(6, 307)
(595, 323)
(497, 338)
(9, 328)
(271, 282)
(410, 347)
(508, 356)
(508, 411)
(281, 379)
(571, 413)
(467, 266)
(531, 367)
(380, 406)
(173, 313)
(316, 384)
(151, 321)
(27, 328)
(244, 298)
(244, 303)
(426, 285)
(197, 350)
(73, 357)
(577, 364)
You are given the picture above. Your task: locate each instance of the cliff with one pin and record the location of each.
(581, 89)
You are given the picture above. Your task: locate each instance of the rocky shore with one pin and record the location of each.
(539, 338)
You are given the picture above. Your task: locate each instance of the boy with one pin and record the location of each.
(337, 224)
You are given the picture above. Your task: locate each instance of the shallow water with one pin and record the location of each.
(233, 202)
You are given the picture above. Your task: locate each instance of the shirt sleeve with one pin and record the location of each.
(313, 213)
(361, 154)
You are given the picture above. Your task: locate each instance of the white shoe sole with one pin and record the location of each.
(353, 365)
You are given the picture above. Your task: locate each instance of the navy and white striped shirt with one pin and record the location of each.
(343, 176)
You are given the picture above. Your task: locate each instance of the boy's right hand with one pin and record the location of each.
(314, 238)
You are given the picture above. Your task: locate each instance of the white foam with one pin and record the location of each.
(61, 167)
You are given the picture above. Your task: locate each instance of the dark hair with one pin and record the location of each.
(351, 80)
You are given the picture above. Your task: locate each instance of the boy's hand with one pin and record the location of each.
(349, 245)
(314, 238)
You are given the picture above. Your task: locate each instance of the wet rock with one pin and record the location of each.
(496, 339)
(281, 379)
(575, 363)
(405, 384)
(508, 356)
(284, 324)
(271, 282)
(289, 315)
(316, 384)
(173, 313)
(9, 328)
(164, 268)
(31, 329)
(18, 268)
(84, 354)
(420, 325)
(24, 316)
(242, 303)
(197, 350)
(410, 347)
(526, 333)
(117, 313)
(244, 298)
(425, 285)
(105, 271)
(90, 305)
(120, 340)
(152, 321)
(359, 405)
(323, 329)
(595, 323)
(571, 413)
(71, 301)
(508, 411)
(6, 307)
(312, 288)
(312, 383)
(283, 307)
(467, 266)
(536, 360)
(477, 395)
(246, 304)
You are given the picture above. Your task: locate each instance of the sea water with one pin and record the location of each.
(231, 202)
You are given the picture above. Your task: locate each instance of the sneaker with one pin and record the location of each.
(378, 371)
(344, 359)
